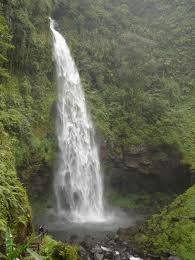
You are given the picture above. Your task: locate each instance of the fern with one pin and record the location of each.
(12, 252)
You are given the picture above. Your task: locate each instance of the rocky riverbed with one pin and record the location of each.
(103, 241)
(114, 246)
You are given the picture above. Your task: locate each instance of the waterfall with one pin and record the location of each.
(78, 182)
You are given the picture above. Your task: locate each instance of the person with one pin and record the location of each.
(41, 230)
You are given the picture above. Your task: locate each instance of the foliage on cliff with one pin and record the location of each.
(172, 230)
(28, 94)
(26, 98)
(5, 45)
(14, 207)
(135, 59)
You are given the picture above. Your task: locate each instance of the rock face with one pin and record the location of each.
(39, 181)
(193, 176)
(147, 168)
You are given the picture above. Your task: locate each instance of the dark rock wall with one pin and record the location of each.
(147, 168)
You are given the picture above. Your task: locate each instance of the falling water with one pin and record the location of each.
(78, 183)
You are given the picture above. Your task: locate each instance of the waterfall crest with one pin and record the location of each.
(78, 182)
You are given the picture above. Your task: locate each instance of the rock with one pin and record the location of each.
(85, 244)
(106, 249)
(125, 243)
(112, 243)
(109, 255)
(116, 255)
(116, 238)
(82, 251)
(157, 257)
(123, 250)
(151, 168)
(174, 257)
(98, 256)
(135, 258)
(96, 249)
(126, 256)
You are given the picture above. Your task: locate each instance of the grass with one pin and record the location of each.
(145, 202)
(124, 201)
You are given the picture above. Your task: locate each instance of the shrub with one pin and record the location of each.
(58, 250)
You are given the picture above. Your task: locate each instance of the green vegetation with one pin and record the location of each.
(26, 97)
(49, 249)
(5, 45)
(128, 201)
(14, 207)
(172, 230)
(13, 251)
(52, 249)
(135, 59)
(142, 202)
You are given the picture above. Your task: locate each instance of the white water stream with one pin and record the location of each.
(78, 182)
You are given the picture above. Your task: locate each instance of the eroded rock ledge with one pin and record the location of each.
(147, 168)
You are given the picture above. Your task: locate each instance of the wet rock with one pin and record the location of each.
(98, 256)
(96, 249)
(127, 255)
(154, 257)
(108, 252)
(106, 249)
(116, 255)
(82, 251)
(124, 250)
(134, 258)
(109, 255)
(151, 168)
(125, 243)
(174, 257)
(112, 243)
(86, 244)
